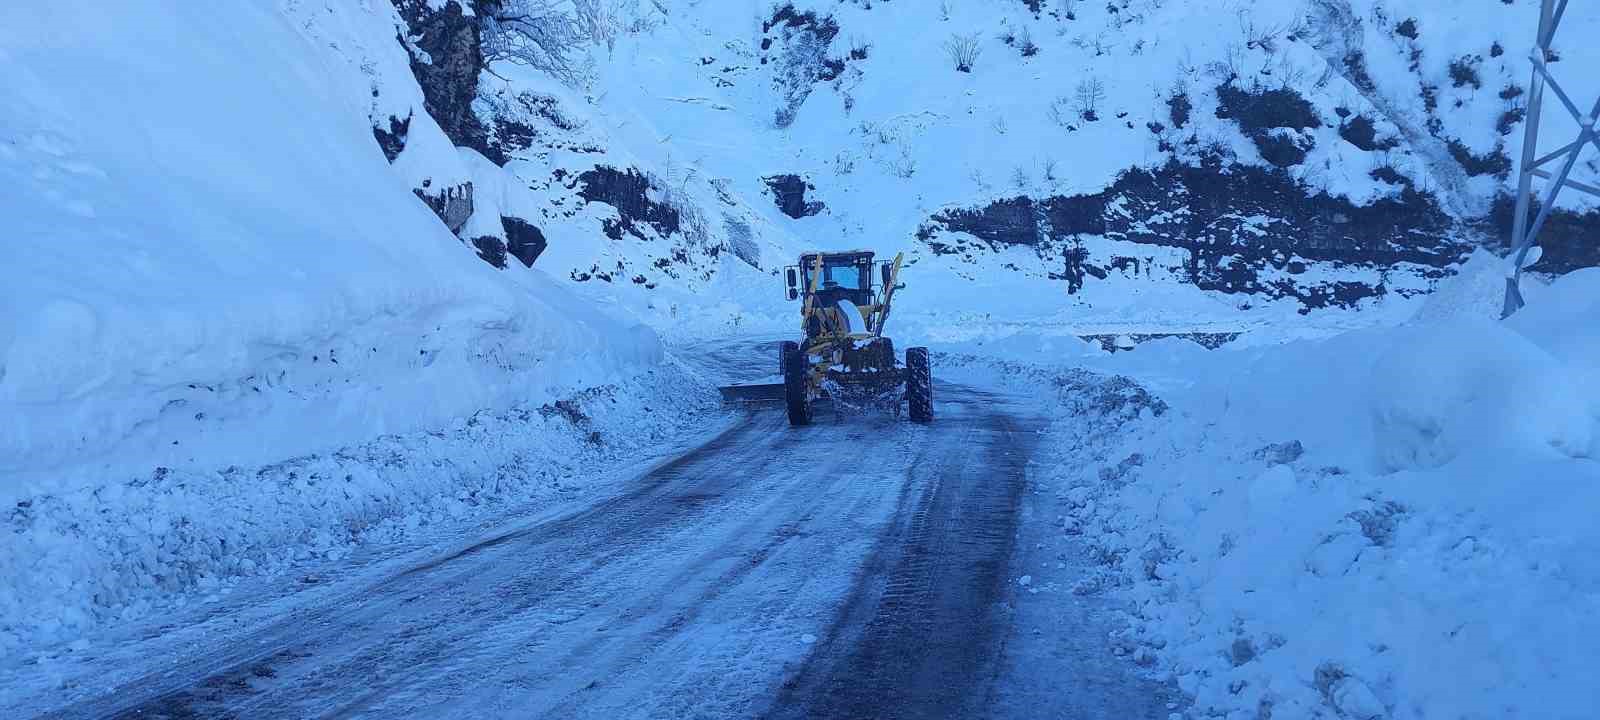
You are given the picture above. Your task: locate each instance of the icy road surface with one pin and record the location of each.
(857, 568)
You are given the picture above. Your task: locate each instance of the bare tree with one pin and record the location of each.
(964, 51)
(1021, 179)
(548, 35)
(1090, 92)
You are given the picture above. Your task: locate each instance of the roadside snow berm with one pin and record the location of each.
(843, 355)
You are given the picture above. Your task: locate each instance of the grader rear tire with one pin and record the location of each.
(919, 385)
(795, 391)
(784, 348)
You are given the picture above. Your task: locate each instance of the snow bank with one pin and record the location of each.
(1384, 524)
(209, 261)
(1474, 385)
(77, 559)
(209, 267)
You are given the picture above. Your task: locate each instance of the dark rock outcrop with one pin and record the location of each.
(802, 40)
(789, 192)
(524, 241)
(629, 192)
(452, 204)
(448, 74)
(1570, 240)
(1360, 131)
(1272, 119)
(1495, 162)
(1245, 229)
(491, 249)
(1014, 221)
(393, 140)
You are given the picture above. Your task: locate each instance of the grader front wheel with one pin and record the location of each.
(784, 348)
(796, 392)
(919, 385)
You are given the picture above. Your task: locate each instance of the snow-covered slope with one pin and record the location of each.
(1096, 165)
(1391, 523)
(208, 260)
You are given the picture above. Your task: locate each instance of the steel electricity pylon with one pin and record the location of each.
(1525, 235)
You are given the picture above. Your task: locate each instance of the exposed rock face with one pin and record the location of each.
(789, 192)
(524, 240)
(393, 140)
(741, 240)
(1244, 230)
(491, 249)
(1360, 131)
(1272, 119)
(797, 42)
(452, 204)
(1003, 222)
(629, 192)
(1570, 240)
(448, 71)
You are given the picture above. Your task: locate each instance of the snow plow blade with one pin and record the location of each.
(769, 392)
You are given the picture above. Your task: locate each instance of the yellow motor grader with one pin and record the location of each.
(843, 354)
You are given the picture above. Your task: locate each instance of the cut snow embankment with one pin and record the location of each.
(210, 262)
(117, 551)
(1389, 523)
(210, 267)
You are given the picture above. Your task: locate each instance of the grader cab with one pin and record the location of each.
(842, 354)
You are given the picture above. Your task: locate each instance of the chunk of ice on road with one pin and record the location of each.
(808, 638)
(1025, 580)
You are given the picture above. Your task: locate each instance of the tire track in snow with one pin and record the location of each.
(688, 595)
(919, 635)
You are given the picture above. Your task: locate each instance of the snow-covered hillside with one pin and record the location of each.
(1093, 164)
(254, 250)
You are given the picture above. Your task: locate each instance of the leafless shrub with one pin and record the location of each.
(1100, 44)
(963, 51)
(1087, 97)
(843, 164)
(597, 22)
(904, 165)
(1025, 43)
(1230, 65)
(548, 35)
(1298, 29)
(1006, 35)
(977, 181)
(1020, 179)
(1061, 112)
(1258, 37)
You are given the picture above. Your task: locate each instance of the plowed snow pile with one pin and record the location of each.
(208, 268)
(1392, 523)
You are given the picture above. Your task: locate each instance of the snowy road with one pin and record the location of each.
(858, 568)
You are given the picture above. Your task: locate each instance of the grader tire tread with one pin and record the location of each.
(795, 394)
(919, 385)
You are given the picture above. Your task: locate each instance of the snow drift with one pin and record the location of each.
(1387, 523)
(209, 261)
(210, 269)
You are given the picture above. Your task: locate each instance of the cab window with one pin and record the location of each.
(844, 276)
